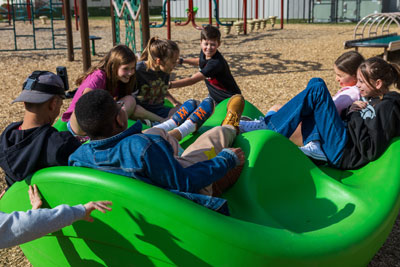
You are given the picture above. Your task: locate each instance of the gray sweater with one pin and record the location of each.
(20, 227)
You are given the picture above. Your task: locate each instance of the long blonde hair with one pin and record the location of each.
(158, 48)
(117, 56)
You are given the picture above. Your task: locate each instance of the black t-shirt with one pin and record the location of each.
(220, 82)
(22, 152)
(152, 86)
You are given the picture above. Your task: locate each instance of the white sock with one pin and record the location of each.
(167, 125)
(186, 128)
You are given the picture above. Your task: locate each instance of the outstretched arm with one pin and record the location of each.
(188, 81)
(190, 61)
(20, 227)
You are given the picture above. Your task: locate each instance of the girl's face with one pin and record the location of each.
(169, 64)
(366, 90)
(344, 79)
(126, 71)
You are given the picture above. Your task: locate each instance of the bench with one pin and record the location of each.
(93, 39)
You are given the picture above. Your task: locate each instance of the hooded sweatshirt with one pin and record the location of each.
(371, 130)
(22, 152)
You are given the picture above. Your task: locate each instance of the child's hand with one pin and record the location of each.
(34, 196)
(96, 205)
(358, 105)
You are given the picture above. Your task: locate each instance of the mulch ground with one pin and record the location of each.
(270, 66)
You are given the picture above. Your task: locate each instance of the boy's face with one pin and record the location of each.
(209, 47)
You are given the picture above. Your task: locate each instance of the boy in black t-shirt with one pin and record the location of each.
(33, 143)
(213, 68)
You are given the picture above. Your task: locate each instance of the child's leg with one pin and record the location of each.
(207, 146)
(314, 106)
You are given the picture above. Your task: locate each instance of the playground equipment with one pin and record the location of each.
(374, 31)
(129, 12)
(280, 216)
(191, 17)
(19, 10)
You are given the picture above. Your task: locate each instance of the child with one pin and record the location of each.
(33, 143)
(214, 69)
(153, 72)
(371, 123)
(153, 156)
(115, 73)
(345, 68)
(21, 227)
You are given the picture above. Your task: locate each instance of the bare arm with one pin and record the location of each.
(191, 61)
(188, 81)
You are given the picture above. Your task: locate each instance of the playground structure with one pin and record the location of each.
(374, 31)
(19, 12)
(299, 216)
(240, 25)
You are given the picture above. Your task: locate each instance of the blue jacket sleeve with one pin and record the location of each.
(168, 173)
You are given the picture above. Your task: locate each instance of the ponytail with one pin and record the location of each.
(396, 75)
(158, 48)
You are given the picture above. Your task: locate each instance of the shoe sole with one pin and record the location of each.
(314, 156)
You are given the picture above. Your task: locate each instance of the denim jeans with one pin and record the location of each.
(313, 107)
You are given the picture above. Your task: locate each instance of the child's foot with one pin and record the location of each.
(202, 112)
(195, 120)
(249, 126)
(184, 111)
(234, 111)
(313, 150)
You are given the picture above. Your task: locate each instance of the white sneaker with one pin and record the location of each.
(313, 149)
(248, 126)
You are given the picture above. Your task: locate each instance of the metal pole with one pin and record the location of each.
(84, 29)
(256, 9)
(281, 14)
(169, 20)
(113, 31)
(210, 12)
(9, 12)
(245, 16)
(68, 29)
(145, 22)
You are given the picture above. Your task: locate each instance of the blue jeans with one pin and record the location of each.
(313, 107)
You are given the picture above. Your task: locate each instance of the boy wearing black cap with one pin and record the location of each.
(32, 144)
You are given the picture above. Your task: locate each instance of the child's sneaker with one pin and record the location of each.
(234, 111)
(249, 126)
(202, 112)
(313, 150)
(184, 111)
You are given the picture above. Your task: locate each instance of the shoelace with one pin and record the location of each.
(201, 113)
(234, 118)
(182, 112)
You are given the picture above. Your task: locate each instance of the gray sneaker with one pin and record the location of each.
(313, 150)
(249, 126)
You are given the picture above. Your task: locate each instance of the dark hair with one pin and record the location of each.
(210, 32)
(376, 68)
(349, 62)
(158, 48)
(95, 113)
(117, 56)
